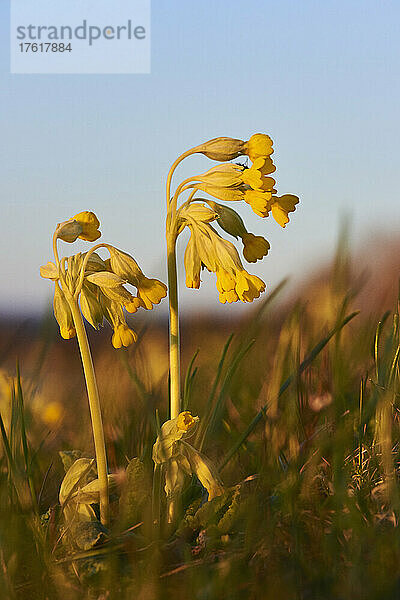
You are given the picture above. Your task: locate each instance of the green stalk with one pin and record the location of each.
(174, 340)
(95, 410)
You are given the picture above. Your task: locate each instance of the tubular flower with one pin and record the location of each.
(222, 148)
(256, 175)
(123, 336)
(259, 201)
(90, 225)
(192, 263)
(281, 206)
(150, 292)
(259, 145)
(255, 247)
(238, 286)
(63, 314)
(207, 248)
(225, 194)
(225, 175)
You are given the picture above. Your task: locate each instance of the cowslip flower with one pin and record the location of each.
(255, 247)
(256, 176)
(99, 284)
(207, 248)
(179, 458)
(281, 206)
(259, 145)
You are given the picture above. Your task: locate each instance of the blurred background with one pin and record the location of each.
(321, 78)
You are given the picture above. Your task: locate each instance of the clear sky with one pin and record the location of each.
(321, 77)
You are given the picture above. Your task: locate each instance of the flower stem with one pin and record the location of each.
(174, 341)
(95, 411)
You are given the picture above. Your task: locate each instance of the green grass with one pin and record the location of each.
(300, 412)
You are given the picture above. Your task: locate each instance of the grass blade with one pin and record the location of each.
(306, 363)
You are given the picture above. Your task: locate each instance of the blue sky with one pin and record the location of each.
(322, 78)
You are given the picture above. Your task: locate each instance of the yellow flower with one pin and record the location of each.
(248, 287)
(90, 225)
(63, 314)
(226, 175)
(186, 421)
(150, 291)
(240, 285)
(123, 336)
(226, 194)
(192, 263)
(258, 145)
(255, 247)
(226, 287)
(281, 206)
(133, 305)
(67, 333)
(259, 201)
(256, 175)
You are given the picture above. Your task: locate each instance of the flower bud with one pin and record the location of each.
(222, 148)
(69, 231)
(229, 220)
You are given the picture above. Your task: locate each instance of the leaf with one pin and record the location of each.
(136, 493)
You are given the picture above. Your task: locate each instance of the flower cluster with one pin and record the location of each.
(99, 284)
(229, 182)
